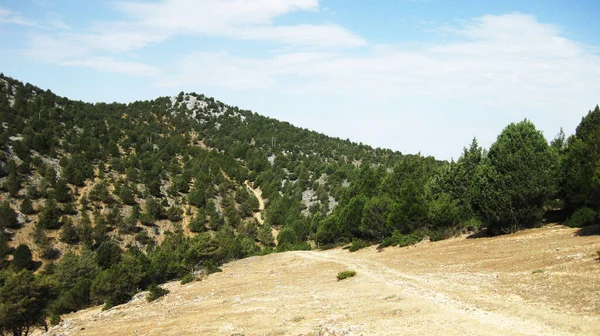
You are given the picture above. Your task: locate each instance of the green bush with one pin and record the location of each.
(345, 274)
(210, 267)
(443, 233)
(189, 277)
(398, 239)
(582, 217)
(358, 244)
(156, 292)
(55, 320)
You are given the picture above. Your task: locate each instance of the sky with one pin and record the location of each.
(418, 76)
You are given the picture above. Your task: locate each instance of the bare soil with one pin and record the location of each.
(542, 281)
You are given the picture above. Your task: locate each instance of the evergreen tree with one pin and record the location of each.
(22, 258)
(581, 165)
(49, 217)
(23, 301)
(8, 217)
(27, 207)
(4, 248)
(265, 235)
(62, 193)
(85, 230)
(108, 254)
(68, 233)
(518, 176)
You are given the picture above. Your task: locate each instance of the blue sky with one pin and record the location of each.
(415, 76)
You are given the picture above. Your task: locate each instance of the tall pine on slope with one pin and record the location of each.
(581, 164)
(516, 178)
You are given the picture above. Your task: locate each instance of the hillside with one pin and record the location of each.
(186, 162)
(535, 282)
(100, 201)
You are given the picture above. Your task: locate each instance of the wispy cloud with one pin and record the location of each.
(11, 17)
(508, 59)
(144, 24)
(485, 73)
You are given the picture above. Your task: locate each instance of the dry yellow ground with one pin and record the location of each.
(538, 282)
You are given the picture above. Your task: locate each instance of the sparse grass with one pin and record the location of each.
(345, 274)
(537, 271)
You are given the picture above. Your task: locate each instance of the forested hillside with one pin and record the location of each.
(102, 200)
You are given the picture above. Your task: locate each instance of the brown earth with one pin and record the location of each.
(538, 282)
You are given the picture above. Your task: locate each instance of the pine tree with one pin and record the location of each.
(27, 207)
(22, 258)
(68, 233)
(24, 299)
(515, 180)
(8, 217)
(85, 230)
(49, 218)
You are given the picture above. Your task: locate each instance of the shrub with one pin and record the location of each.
(443, 233)
(156, 292)
(210, 267)
(582, 217)
(358, 244)
(55, 320)
(187, 278)
(144, 238)
(345, 274)
(398, 239)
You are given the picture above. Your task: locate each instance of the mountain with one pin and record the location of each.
(101, 200)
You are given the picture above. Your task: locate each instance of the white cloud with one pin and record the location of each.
(11, 17)
(203, 15)
(483, 73)
(153, 23)
(493, 58)
(239, 19)
(109, 64)
(55, 21)
(79, 50)
(490, 71)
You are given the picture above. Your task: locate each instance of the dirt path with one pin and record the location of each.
(261, 202)
(539, 282)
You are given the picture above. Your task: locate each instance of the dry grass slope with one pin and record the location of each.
(538, 282)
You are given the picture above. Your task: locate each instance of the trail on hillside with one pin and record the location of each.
(261, 202)
(538, 282)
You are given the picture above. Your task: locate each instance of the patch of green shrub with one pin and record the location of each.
(156, 292)
(358, 244)
(345, 274)
(55, 320)
(398, 239)
(443, 233)
(582, 217)
(187, 278)
(210, 267)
